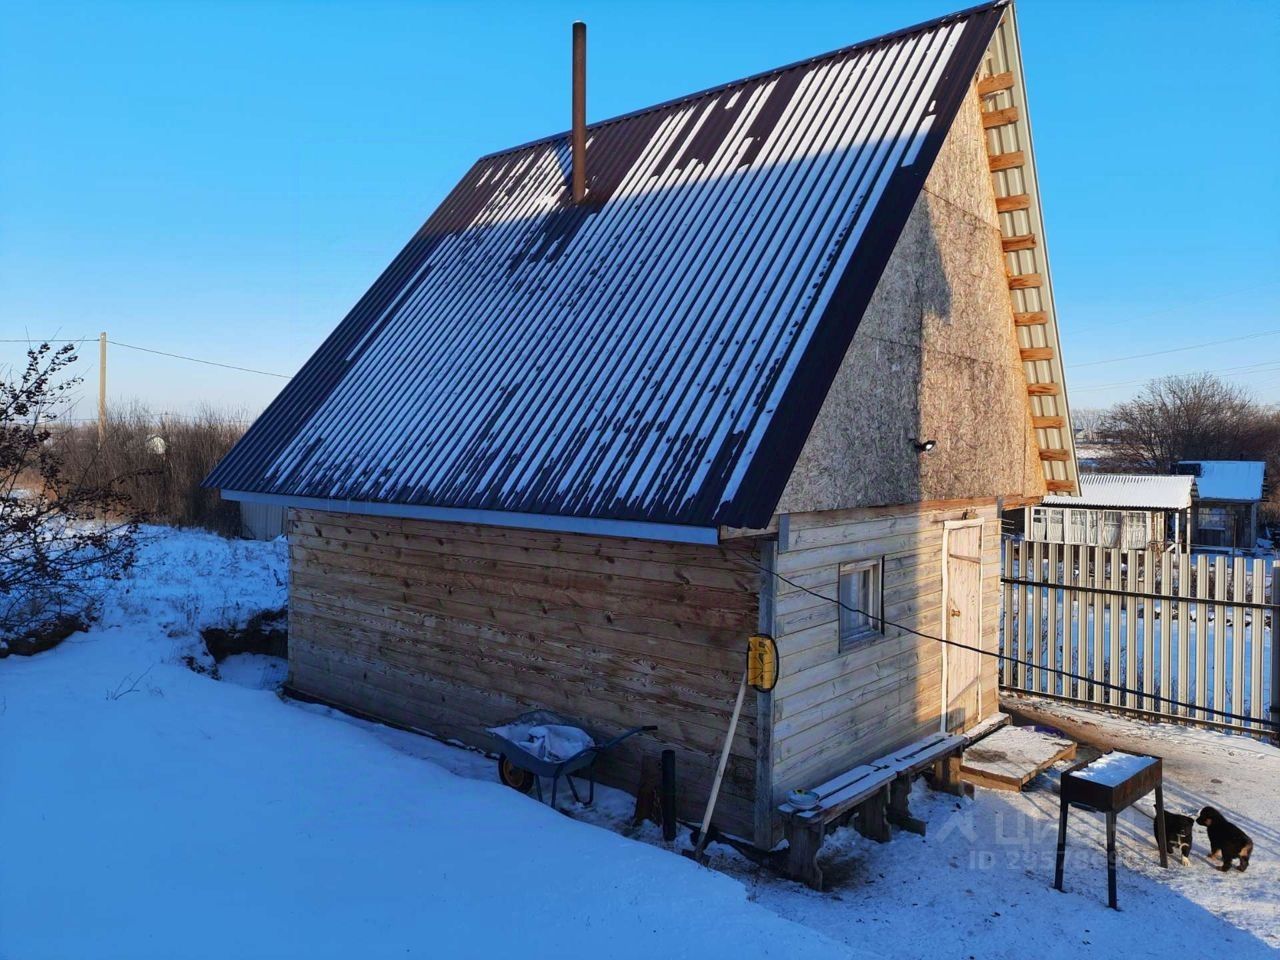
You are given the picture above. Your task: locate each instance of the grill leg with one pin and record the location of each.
(1111, 861)
(1161, 826)
(1062, 844)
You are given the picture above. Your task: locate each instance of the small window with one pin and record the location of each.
(860, 603)
(1137, 532)
(1047, 524)
(1078, 526)
(1039, 523)
(1054, 525)
(1111, 525)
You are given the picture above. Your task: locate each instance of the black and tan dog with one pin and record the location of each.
(1178, 832)
(1225, 839)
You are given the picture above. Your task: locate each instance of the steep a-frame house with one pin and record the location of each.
(771, 365)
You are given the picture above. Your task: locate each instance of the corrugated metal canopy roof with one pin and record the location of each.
(657, 353)
(1124, 490)
(1228, 479)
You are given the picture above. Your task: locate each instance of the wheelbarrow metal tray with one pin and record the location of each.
(516, 754)
(583, 760)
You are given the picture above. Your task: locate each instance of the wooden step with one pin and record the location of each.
(1011, 758)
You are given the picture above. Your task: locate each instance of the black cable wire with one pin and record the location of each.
(1012, 659)
(30, 340)
(159, 353)
(212, 363)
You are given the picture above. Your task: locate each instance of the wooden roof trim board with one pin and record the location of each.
(1001, 88)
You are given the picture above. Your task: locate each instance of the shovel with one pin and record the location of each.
(698, 853)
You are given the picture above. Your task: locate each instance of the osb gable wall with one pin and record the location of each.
(452, 628)
(934, 357)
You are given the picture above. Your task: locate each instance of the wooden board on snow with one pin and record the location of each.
(985, 728)
(1011, 757)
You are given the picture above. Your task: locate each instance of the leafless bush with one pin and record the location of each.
(64, 526)
(163, 460)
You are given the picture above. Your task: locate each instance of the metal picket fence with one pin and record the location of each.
(1171, 635)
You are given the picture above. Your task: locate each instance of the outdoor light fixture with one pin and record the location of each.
(923, 446)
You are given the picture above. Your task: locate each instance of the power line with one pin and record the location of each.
(1160, 353)
(160, 353)
(211, 363)
(29, 340)
(1007, 658)
(1241, 371)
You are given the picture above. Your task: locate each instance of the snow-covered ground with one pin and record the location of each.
(148, 810)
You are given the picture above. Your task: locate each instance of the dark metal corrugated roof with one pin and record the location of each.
(657, 353)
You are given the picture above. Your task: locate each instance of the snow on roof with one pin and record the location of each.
(656, 353)
(1228, 479)
(1129, 490)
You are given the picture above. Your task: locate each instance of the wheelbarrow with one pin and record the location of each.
(523, 771)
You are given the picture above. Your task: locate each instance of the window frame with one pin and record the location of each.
(856, 630)
(1111, 522)
(1136, 522)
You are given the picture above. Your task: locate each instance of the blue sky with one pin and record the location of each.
(224, 179)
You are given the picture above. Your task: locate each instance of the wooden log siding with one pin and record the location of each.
(451, 628)
(833, 711)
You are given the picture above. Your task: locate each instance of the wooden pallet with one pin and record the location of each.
(1010, 758)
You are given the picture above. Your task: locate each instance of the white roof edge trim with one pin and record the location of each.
(1020, 97)
(630, 529)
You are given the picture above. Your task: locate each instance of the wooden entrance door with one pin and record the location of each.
(962, 623)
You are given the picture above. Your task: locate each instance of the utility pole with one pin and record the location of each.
(102, 388)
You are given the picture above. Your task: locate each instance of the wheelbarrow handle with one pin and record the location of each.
(609, 744)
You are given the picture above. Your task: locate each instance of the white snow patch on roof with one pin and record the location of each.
(1228, 479)
(1129, 490)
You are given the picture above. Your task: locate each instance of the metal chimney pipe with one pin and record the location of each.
(579, 111)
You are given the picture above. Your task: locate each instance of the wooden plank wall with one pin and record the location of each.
(832, 712)
(452, 628)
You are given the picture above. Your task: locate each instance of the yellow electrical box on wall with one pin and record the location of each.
(762, 662)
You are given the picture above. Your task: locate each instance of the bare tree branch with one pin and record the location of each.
(1198, 417)
(59, 529)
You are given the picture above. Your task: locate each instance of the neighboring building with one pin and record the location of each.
(1126, 511)
(262, 521)
(1228, 495)
(797, 343)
